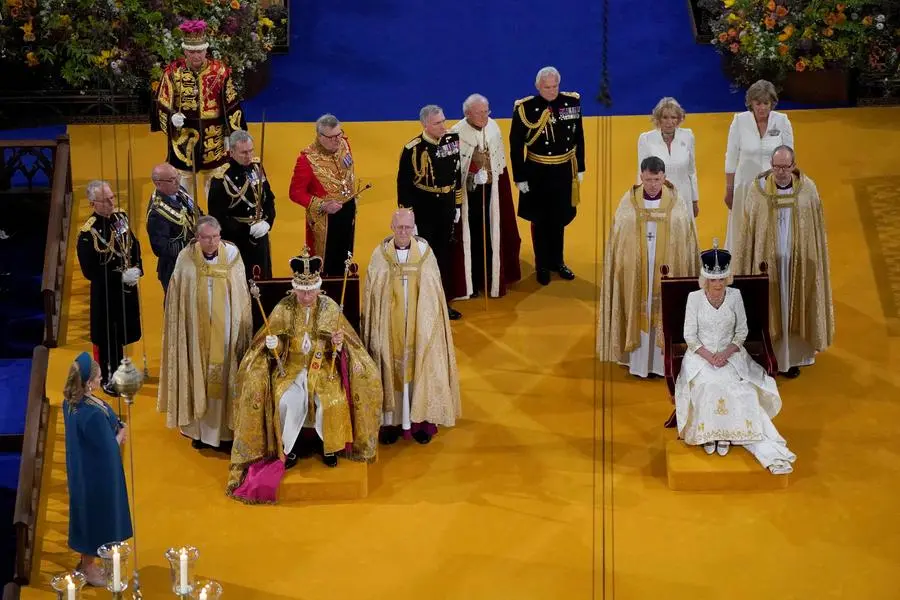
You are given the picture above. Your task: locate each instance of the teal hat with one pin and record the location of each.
(84, 362)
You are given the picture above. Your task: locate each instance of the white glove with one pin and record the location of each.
(178, 120)
(480, 177)
(260, 229)
(523, 186)
(271, 342)
(457, 216)
(131, 276)
(581, 177)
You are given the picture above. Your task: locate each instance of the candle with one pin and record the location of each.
(184, 572)
(203, 594)
(70, 588)
(117, 569)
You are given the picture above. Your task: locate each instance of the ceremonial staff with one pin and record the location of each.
(254, 291)
(484, 222)
(348, 265)
(131, 194)
(260, 188)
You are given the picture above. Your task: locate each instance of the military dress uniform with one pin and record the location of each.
(106, 248)
(240, 196)
(429, 182)
(171, 224)
(208, 101)
(546, 142)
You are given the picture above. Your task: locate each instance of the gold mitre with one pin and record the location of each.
(306, 271)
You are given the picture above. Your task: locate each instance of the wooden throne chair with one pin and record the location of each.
(673, 297)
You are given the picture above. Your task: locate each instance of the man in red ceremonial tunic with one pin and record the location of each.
(324, 183)
(197, 106)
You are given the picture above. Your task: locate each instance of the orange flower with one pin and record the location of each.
(235, 4)
(800, 66)
(723, 37)
(787, 33)
(771, 5)
(841, 7)
(830, 19)
(782, 49)
(734, 47)
(31, 59)
(828, 32)
(154, 86)
(867, 20)
(732, 33)
(841, 18)
(770, 23)
(781, 11)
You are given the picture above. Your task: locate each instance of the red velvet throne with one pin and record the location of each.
(673, 296)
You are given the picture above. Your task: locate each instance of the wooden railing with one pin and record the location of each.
(57, 240)
(31, 468)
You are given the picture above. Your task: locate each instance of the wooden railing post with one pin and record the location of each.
(57, 238)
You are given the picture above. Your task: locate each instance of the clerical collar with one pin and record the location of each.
(784, 187)
(649, 197)
(403, 248)
(210, 256)
(430, 139)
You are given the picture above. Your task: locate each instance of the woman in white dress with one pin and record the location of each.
(752, 138)
(675, 146)
(722, 397)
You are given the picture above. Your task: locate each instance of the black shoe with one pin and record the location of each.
(198, 445)
(543, 276)
(566, 273)
(330, 460)
(423, 437)
(792, 373)
(290, 461)
(475, 294)
(388, 436)
(453, 314)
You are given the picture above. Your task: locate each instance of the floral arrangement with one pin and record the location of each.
(125, 45)
(771, 38)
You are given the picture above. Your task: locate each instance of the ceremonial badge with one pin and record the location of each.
(348, 160)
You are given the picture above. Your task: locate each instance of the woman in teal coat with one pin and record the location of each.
(98, 499)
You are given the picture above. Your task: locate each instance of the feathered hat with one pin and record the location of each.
(716, 262)
(194, 35)
(306, 271)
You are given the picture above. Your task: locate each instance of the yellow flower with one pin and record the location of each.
(266, 22)
(729, 3)
(732, 17)
(31, 59)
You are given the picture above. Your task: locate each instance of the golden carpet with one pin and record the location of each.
(508, 504)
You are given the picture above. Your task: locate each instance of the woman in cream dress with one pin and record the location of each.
(753, 136)
(722, 397)
(675, 146)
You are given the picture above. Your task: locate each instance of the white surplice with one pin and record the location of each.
(736, 402)
(491, 139)
(791, 350)
(648, 357)
(404, 399)
(293, 406)
(749, 154)
(213, 427)
(681, 164)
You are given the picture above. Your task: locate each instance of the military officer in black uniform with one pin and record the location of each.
(546, 142)
(110, 258)
(242, 201)
(171, 220)
(430, 183)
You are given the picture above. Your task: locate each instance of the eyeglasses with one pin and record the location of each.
(782, 167)
(335, 136)
(167, 179)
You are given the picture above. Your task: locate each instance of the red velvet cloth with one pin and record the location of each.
(510, 244)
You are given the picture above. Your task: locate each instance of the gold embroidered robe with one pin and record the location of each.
(624, 292)
(209, 102)
(811, 309)
(435, 378)
(257, 426)
(185, 381)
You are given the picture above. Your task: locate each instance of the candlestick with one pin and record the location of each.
(115, 564)
(208, 590)
(181, 564)
(184, 569)
(117, 569)
(70, 588)
(68, 585)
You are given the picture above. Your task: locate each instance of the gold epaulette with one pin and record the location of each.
(219, 172)
(575, 95)
(255, 160)
(413, 142)
(88, 224)
(521, 100)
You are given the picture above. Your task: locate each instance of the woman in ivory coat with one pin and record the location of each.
(722, 397)
(752, 138)
(675, 146)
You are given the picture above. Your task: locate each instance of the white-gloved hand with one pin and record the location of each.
(131, 276)
(457, 216)
(480, 177)
(581, 177)
(178, 120)
(523, 186)
(260, 229)
(271, 342)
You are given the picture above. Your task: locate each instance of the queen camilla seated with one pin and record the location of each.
(723, 397)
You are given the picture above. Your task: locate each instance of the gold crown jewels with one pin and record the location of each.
(306, 271)
(716, 262)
